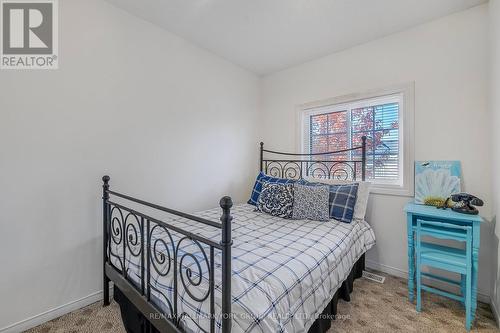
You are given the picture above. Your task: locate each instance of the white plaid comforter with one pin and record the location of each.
(285, 272)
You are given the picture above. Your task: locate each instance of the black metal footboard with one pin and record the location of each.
(141, 251)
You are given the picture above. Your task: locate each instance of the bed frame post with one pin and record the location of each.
(363, 158)
(262, 156)
(105, 223)
(226, 203)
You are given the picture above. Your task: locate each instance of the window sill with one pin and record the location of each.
(394, 190)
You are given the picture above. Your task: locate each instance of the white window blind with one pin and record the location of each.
(335, 127)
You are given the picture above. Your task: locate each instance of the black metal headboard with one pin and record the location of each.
(345, 164)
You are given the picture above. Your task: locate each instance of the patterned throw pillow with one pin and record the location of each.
(261, 178)
(342, 200)
(311, 202)
(276, 199)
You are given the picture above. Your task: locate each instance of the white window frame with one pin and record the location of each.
(404, 94)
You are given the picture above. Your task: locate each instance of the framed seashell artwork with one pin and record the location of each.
(435, 181)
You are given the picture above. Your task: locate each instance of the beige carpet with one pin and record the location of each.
(374, 308)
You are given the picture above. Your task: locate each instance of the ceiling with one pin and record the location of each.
(265, 36)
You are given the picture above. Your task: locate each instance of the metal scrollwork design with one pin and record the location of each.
(340, 174)
(117, 235)
(161, 258)
(291, 170)
(133, 231)
(342, 171)
(116, 226)
(190, 278)
(296, 169)
(318, 170)
(274, 169)
(321, 169)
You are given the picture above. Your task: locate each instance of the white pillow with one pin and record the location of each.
(362, 197)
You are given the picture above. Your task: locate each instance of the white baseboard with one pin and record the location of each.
(54, 313)
(386, 269)
(481, 295)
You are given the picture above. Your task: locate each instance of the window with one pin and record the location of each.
(386, 121)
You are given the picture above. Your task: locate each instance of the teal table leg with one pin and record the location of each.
(475, 259)
(419, 276)
(469, 318)
(411, 257)
(462, 287)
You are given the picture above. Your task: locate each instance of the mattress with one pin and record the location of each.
(284, 272)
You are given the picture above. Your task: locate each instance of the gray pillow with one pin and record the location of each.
(311, 202)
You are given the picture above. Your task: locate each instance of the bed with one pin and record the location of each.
(239, 270)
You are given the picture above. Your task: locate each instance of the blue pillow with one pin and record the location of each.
(261, 178)
(341, 200)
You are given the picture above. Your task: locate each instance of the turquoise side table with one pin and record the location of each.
(429, 213)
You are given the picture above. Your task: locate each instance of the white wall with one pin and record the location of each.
(168, 121)
(494, 6)
(447, 60)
